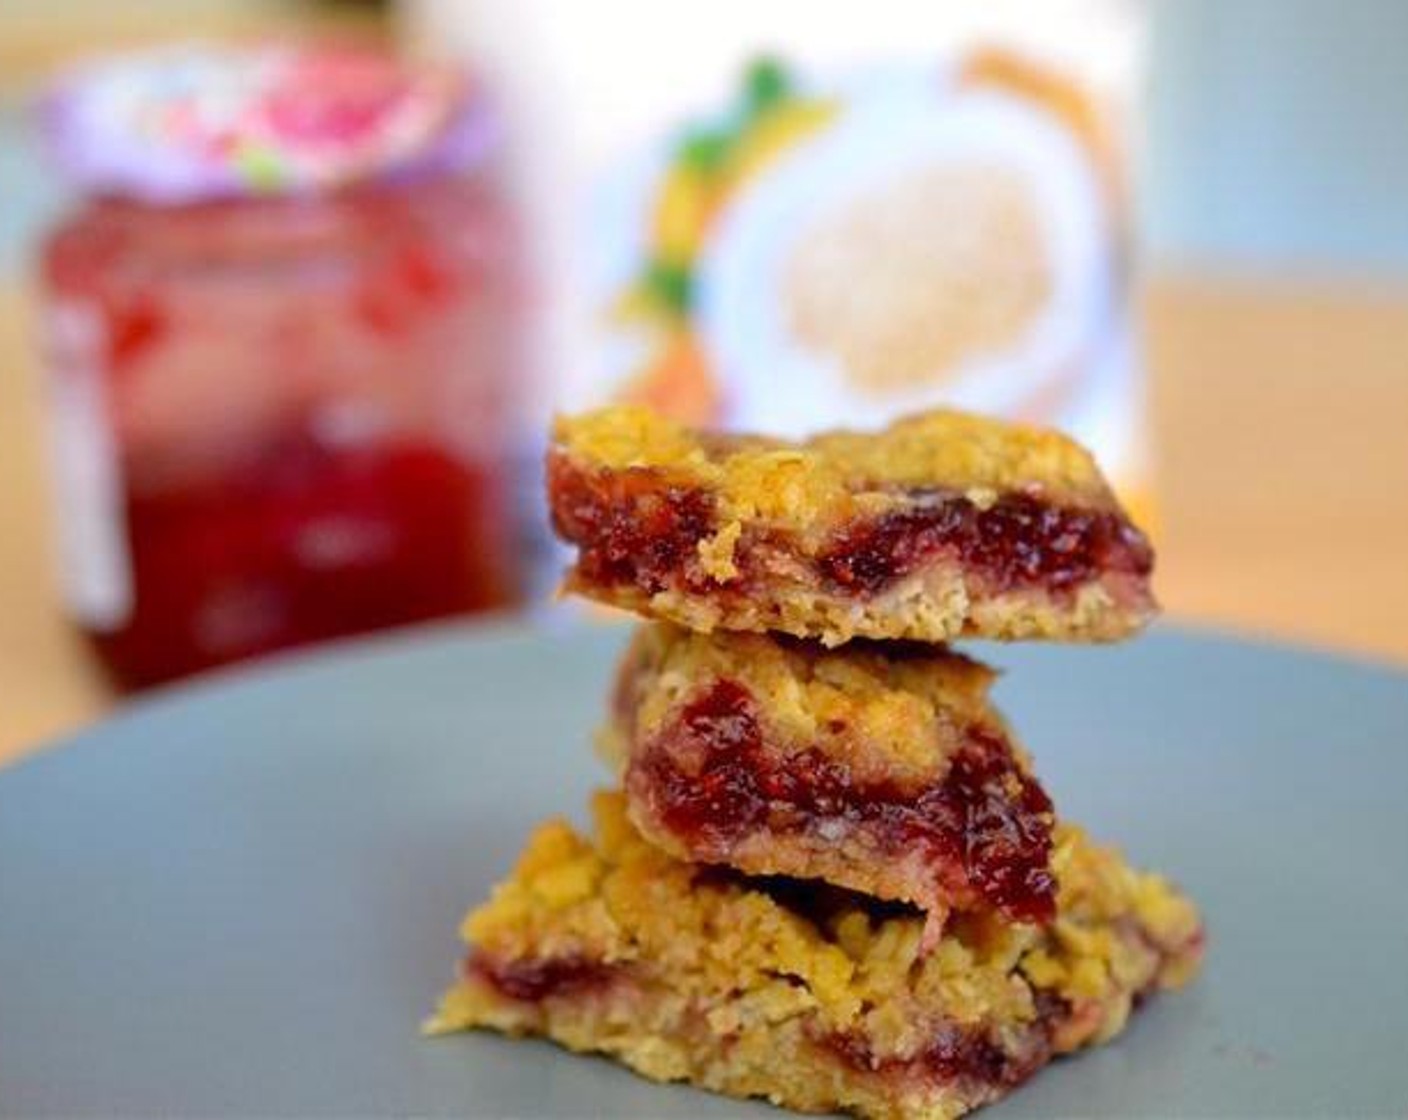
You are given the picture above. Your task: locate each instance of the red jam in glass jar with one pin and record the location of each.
(285, 355)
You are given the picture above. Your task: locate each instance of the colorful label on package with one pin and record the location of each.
(836, 254)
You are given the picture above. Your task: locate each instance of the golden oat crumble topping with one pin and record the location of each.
(840, 474)
(890, 711)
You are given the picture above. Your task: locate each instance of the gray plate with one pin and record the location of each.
(240, 898)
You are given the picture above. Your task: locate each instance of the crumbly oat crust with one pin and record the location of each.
(816, 1000)
(806, 482)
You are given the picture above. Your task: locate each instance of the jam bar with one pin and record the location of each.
(943, 525)
(815, 998)
(879, 767)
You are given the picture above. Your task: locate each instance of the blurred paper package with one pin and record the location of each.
(788, 217)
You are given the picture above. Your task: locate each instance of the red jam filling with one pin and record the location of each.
(964, 1054)
(1020, 541)
(955, 1055)
(985, 825)
(531, 980)
(633, 528)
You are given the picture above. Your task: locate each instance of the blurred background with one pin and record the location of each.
(288, 291)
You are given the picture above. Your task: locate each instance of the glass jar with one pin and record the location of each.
(283, 416)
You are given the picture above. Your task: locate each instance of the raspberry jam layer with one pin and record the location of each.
(1019, 541)
(985, 826)
(633, 527)
(532, 980)
(957, 1055)
(963, 1055)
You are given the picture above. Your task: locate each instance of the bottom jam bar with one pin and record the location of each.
(815, 998)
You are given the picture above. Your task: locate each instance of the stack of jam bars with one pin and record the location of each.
(830, 876)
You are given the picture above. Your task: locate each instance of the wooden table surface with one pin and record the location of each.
(1281, 421)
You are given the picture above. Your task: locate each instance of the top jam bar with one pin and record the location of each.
(943, 525)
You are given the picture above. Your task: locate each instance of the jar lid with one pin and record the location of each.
(197, 122)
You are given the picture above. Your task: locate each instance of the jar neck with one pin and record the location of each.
(265, 228)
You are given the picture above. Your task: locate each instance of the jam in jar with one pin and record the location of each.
(285, 355)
